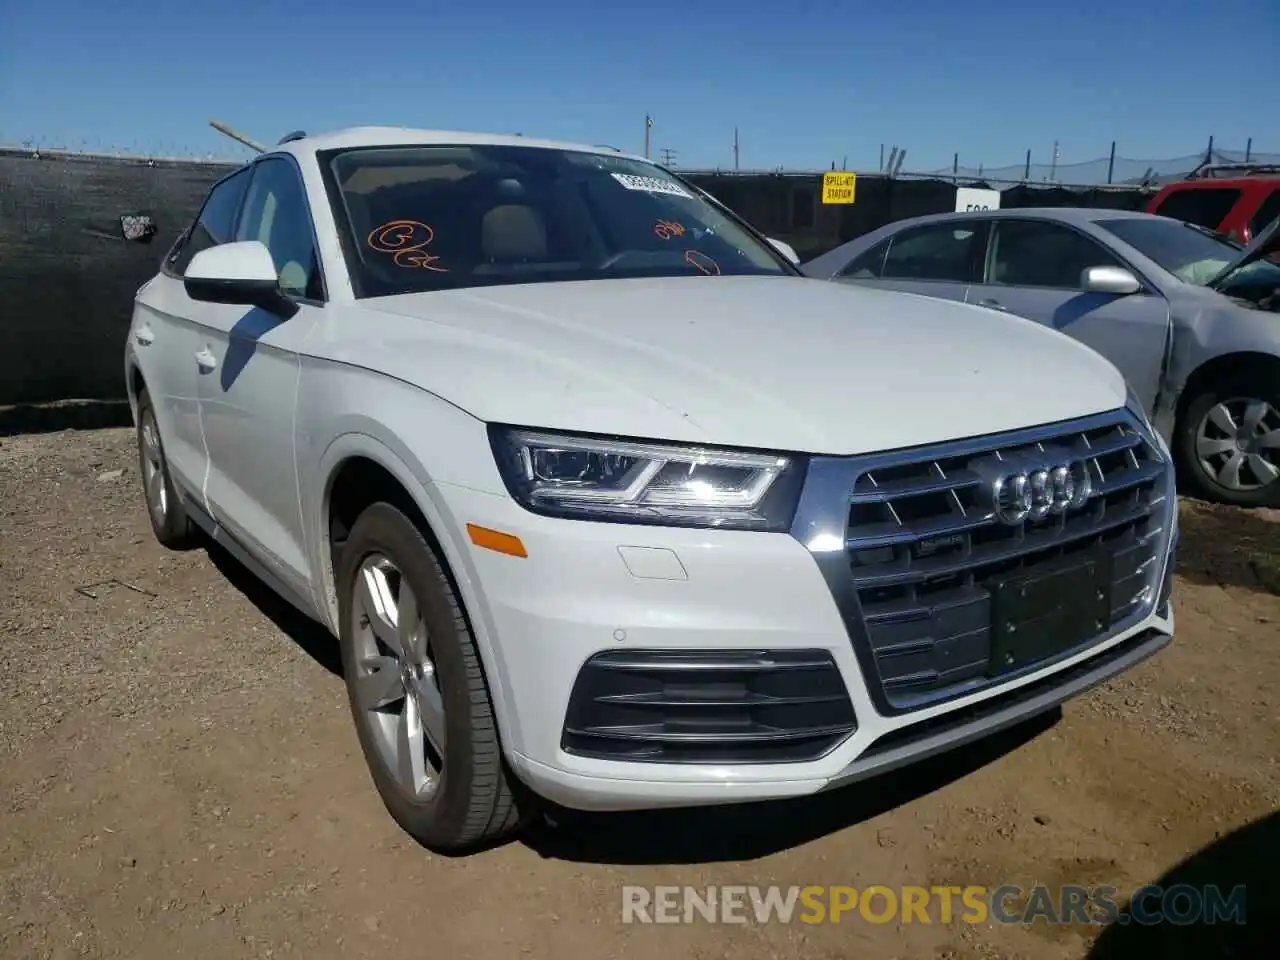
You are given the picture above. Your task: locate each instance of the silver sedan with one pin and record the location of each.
(1189, 317)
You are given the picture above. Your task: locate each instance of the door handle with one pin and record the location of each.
(205, 360)
(992, 305)
(144, 336)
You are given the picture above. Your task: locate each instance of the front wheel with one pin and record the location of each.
(418, 695)
(1228, 444)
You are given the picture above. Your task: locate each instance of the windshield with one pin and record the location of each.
(1191, 253)
(444, 217)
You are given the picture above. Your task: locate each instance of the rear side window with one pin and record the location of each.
(867, 265)
(215, 224)
(1267, 211)
(1206, 207)
(1031, 253)
(940, 251)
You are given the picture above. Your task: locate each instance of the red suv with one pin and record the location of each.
(1236, 199)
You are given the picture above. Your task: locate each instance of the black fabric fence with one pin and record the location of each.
(789, 207)
(79, 234)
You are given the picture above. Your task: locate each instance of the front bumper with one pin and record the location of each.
(590, 588)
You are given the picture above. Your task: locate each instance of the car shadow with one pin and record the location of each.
(1245, 858)
(749, 831)
(242, 343)
(313, 639)
(1227, 546)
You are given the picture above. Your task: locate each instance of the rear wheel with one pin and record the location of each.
(1228, 444)
(418, 695)
(169, 519)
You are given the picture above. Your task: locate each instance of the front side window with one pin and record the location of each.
(214, 224)
(276, 214)
(424, 218)
(1206, 206)
(1032, 253)
(942, 251)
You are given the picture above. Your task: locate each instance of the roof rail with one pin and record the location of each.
(290, 137)
(1209, 170)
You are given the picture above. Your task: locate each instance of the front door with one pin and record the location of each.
(165, 336)
(1034, 270)
(248, 381)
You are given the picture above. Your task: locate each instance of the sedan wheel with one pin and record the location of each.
(1238, 443)
(1229, 446)
(396, 685)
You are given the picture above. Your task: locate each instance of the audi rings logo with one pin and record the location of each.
(1018, 492)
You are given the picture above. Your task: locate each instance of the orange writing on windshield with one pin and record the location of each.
(666, 229)
(406, 241)
(698, 259)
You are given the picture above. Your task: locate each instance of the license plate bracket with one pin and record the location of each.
(1038, 615)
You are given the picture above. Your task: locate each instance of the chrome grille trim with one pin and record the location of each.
(905, 547)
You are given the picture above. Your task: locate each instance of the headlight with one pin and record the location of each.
(635, 482)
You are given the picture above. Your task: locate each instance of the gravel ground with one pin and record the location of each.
(179, 777)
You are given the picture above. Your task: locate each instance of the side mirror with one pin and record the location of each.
(786, 250)
(1114, 280)
(241, 272)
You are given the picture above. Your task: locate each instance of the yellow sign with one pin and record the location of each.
(838, 187)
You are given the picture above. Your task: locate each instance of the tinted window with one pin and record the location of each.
(1208, 206)
(276, 213)
(214, 225)
(1267, 211)
(442, 217)
(868, 264)
(1031, 253)
(943, 251)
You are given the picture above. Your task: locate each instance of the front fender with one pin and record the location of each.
(420, 440)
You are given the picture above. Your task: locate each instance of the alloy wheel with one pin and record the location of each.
(153, 469)
(1237, 443)
(396, 687)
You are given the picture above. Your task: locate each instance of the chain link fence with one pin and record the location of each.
(1103, 170)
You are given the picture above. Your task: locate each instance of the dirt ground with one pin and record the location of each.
(179, 778)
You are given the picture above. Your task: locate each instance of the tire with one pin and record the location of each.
(169, 520)
(1202, 428)
(462, 796)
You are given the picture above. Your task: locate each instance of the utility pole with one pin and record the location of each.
(668, 156)
(735, 148)
(648, 126)
(1053, 165)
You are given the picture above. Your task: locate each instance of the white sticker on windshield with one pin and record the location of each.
(652, 185)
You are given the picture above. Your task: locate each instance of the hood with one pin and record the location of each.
(1263, 245)
(782, 363)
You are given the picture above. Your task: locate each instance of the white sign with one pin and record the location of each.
(651, 185)
(971, 198)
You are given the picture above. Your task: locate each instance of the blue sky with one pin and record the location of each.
(807, 82)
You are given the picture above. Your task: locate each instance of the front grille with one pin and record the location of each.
(708, 706)
(924, 553)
